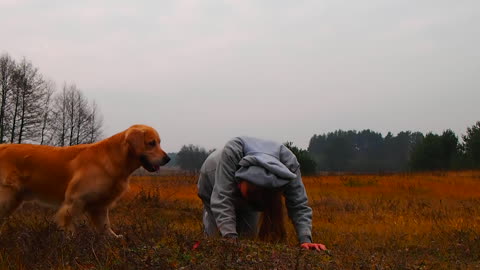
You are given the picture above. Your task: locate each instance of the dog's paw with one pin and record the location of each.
(113, 235)
(68, 235)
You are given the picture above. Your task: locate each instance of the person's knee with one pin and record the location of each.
(209, 225)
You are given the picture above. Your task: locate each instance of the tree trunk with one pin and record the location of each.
(14, 120)
(24, 107)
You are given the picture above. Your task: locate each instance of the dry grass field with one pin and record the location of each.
(402, 221)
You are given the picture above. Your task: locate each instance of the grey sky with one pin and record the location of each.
(203, 71)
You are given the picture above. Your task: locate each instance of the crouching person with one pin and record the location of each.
(246, 178)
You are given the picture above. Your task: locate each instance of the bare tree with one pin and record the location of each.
(95, 123)
(72, 110)
(31, 88)
(75, 122)
(81, 116)
(15, 102)
(7, 66)
(31, 110)
(46, 132)
(59, 121)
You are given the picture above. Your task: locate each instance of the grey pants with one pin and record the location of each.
(247, 222)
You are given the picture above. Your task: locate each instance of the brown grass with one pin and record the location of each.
(403, 221)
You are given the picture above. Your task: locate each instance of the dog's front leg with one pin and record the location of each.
(101, 222)
(67, 212)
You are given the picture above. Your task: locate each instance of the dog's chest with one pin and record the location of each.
(109, 195)
(117, 190)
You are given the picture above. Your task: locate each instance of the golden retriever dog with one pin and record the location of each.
(82, 179)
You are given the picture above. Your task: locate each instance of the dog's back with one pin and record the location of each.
(37, 171)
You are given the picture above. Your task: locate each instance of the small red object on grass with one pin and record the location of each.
(196, 245)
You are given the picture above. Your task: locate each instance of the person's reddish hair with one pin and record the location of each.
(272, 226)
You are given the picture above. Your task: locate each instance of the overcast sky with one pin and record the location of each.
(203, 71)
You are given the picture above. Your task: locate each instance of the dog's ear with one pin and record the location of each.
(135, 139)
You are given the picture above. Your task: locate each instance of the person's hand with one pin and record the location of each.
(313, 246)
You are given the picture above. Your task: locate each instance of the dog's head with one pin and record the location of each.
(144, 144)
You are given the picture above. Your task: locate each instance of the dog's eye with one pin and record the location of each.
(152, 143)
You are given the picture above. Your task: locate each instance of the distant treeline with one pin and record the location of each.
(32, 111)
(369, 152)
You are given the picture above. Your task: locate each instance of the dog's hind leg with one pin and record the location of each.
(67, 212)
(100, 220)
(10, 199)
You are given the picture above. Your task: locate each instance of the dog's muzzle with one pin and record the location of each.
(153, 166)
(165, 160)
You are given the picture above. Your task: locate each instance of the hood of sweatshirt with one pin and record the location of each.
(266, 163)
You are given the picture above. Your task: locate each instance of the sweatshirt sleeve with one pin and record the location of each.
(204, 188)
(298, 210)
(223, 195)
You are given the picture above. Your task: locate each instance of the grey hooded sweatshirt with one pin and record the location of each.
(261, 162)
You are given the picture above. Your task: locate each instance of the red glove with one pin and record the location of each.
(313, 246)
